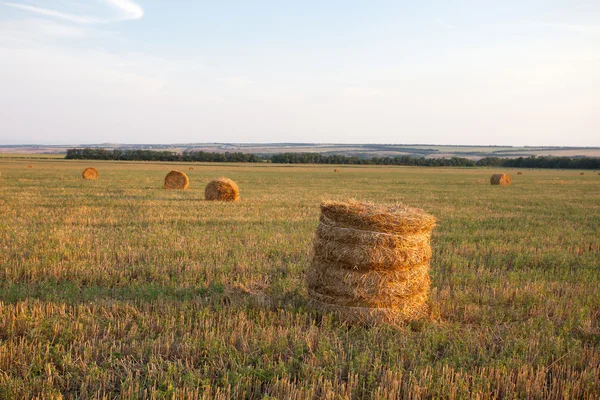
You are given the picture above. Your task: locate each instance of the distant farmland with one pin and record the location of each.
(363, 150)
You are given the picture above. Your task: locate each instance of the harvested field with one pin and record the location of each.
(123, 289)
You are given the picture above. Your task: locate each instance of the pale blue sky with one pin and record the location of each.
(440, 72)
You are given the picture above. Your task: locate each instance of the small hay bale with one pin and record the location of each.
(191, 168)
(500, 179)
(176, 180)
(371, 263)
(336, 170)
(30, 166)
(222, 189)
(519, 173)
(90, 174)
(582, 173)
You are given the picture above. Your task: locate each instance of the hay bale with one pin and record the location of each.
(582, 173)
(176, 180)
(191, 168)
(222, 189)
(500, 179)
(368, 289)
(371, 263)
(367, 250)
(90, 174)
(519, 173)
(396, 219)
(336, 170)
(30, 166)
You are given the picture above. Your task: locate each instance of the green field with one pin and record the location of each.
(118, 288)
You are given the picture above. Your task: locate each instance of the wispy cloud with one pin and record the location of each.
(55, 14)
(126, 10)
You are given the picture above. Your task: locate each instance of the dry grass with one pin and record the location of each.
(121, 289)
(176, 180)
(500, 179)
(90, 174)
(222, 189)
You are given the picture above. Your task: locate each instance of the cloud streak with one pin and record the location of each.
(126, 10)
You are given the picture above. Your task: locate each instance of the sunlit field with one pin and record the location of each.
(118, 288)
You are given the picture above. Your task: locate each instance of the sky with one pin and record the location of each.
(513, 72)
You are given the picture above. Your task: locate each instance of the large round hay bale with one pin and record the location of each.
(90, 174)
(222, 189)
(500, 179)
(396, 219)
(176, 180)
(368, 250)
(371, 263)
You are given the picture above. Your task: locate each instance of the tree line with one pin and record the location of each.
(317, 158)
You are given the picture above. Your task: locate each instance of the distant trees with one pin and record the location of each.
(317, 158)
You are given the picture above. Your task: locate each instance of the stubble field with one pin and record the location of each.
(118, 288)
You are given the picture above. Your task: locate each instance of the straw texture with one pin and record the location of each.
(90, 174)
(176, 180)
(222, 189)
(371, 262)
(500, 179)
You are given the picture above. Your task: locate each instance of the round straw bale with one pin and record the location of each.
(368, 289)
(371, 263)
(397, 219)
(582, 173)
(176, 180)
(519, 173)
(336, 170)
(90, 174)
(364, 250)
(223, 189)
(500, 179)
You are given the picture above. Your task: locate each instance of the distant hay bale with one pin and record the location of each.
(191, 168)
(336, 170)
(371, 263)
(90, 174)
(582, 173)
(519, 173)
(500, 179)
(30, 166)
(176, 180)
(222, 189)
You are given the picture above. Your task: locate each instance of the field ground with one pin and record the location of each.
(118, 288)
